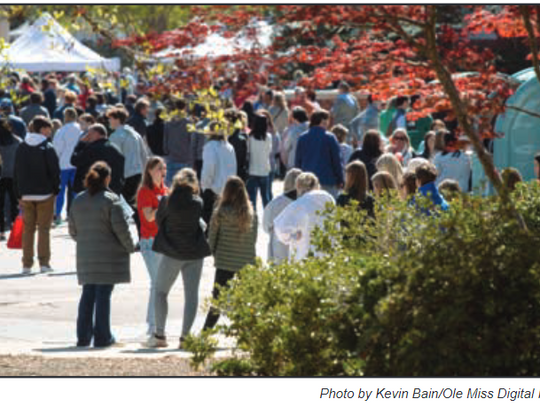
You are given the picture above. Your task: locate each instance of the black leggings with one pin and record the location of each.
(222, 280)
(209, 200)
(7, 187)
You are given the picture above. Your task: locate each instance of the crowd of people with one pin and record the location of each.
(192, 187)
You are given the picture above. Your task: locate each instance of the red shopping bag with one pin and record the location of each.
(15, 237)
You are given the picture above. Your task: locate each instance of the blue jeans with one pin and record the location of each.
(152, 260)
(172, 170)
(94, 319)
(255, 184)
(67, 179)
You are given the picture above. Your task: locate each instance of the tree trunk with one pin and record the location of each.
(460, 110)
(525, 14)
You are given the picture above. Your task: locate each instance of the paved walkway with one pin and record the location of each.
(38, 312)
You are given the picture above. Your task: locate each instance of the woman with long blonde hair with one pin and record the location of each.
(181, 241)
(389, 163)
(280, 112)
(232, 238)
(383, 184)
(400, 145)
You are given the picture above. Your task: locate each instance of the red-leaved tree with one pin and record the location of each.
(399, 50)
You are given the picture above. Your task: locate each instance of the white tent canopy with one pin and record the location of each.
(216, 45)
(47, 46)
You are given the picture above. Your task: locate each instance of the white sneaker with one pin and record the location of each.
(46, 269)
(27, 270)
(154, 342)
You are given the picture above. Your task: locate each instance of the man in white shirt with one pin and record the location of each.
(219, 163)
(65, 141)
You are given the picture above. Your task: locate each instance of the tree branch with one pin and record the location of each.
(519, 109)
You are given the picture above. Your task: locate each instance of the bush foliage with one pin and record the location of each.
(454, 293)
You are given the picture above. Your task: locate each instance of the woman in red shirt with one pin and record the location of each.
(150, 193)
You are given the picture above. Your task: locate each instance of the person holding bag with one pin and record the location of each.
(37, 182)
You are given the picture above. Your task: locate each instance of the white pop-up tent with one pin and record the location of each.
(46, 46)
(216, 45)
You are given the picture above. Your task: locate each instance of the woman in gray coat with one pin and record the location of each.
(104, 244)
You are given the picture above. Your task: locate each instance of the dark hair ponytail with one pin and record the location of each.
(95, 180)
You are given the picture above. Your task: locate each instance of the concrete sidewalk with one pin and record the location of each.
(38, 312)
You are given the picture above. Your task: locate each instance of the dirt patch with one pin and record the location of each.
(46, 366)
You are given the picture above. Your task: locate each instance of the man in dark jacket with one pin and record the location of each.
(318, 152)
(177, 142)
(50, 95)
(138, 120)
(95, 147)
(37, 182)
(154, 134)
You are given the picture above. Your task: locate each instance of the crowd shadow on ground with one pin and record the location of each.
(134, 352)
(17, 275)
(35, 274)
(68, 349)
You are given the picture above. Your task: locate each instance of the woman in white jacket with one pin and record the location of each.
(295, 224)
(64, 143)
(278, 252)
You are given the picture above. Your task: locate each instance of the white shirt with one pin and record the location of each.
(219, 163)
(259, 156)
(454, 166)
(64, 142)
(298, 220)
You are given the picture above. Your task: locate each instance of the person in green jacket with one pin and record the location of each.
(386, 116)
(232, 238)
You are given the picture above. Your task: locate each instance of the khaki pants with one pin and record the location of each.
(37, 215)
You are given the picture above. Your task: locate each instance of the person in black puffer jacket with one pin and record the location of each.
(182, 242)
(37, 182)
(95, 147)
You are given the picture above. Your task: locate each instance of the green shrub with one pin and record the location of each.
(456, 293)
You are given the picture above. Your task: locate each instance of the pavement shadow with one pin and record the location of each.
(67, 273)
(160, 351)
(68, 349)
(16, 275)
(147, 351)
